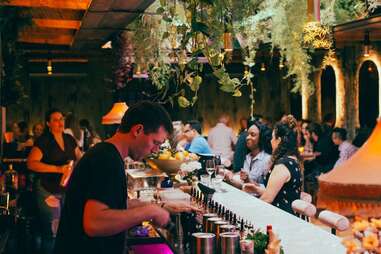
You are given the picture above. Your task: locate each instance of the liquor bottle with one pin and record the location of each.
(223, 212)
(11, 180)
(270, 234)
(219, 212)
(215, 209)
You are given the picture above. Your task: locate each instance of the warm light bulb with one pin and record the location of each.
(263, 67)
(281, 65)
(49, 67)
(366, 51)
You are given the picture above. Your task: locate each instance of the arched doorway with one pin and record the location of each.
(368, 95)
(328, 93)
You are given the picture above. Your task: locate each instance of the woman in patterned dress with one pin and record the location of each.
(283, 181)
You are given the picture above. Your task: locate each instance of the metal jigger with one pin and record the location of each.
(210, 222)
(203, 243)
(215, 229)
(227, 228)
(229, 243)
(205, 218)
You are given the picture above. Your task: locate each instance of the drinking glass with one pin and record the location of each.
(220, 176)
(210, 166)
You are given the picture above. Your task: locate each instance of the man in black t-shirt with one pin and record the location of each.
(95, 214)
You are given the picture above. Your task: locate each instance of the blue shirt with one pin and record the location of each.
(200, 146)
(257, 167)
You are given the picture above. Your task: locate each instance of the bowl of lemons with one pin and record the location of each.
(170, 161)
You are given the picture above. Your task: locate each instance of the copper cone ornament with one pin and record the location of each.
(354, 187)
(115, 115)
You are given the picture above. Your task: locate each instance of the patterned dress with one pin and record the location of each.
(290, 191)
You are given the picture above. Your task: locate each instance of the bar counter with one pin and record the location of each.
(296, 235)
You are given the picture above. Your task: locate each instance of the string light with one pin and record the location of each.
(263, 67)
(49, 67)
(366, 44)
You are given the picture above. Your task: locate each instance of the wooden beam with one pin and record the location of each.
(58, 60)
(57, 4)
(59, 39)
(58, 23)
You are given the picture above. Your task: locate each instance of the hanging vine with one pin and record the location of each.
(14, 75)
(173, 41)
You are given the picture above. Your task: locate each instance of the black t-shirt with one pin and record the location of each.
(53, 154)
(99, 175)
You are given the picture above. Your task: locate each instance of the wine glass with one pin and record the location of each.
(220, 176)
(210, 166)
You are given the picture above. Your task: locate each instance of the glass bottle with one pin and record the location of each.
(11, 180)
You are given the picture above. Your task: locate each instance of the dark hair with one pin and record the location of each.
(150, 114)
(70, 121)
(328, 118)
(84, 123)
(23, 126)
(288, 144)
(315, 128)
(265, 132)
(195, 125)
(341, 132)
(50, 112)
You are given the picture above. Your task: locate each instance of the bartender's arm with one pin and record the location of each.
(34, 163)
(99, 220)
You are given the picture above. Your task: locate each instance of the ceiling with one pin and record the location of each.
(354, 31)
(74, 25)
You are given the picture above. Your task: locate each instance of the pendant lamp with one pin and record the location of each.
(115, 115)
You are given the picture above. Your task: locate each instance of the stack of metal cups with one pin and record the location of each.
(210, 222)
(229, 243)
(203, 243)
(205, 218)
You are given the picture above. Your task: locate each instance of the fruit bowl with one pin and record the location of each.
(169, 166)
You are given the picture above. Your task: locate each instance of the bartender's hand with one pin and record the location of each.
(161, 216)
(64, 169)
(178, 207)
(244, 176)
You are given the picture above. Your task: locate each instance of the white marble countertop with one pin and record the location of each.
(297, 236)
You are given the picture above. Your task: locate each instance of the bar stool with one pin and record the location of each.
(334, 220)
(304, 209)
(306, 197)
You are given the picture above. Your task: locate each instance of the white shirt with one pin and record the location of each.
(221, 139)
(346, 151)
(257, 167)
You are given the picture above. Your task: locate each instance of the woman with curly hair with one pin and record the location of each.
(283, 181)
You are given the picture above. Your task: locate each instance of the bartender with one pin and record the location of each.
(96, 212)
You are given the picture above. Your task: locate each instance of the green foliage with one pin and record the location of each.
(14, 75)
(198, 26)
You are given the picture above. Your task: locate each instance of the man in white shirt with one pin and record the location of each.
(222, 139)
(346, 149)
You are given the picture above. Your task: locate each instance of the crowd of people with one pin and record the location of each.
(269, 160)
(275, 162)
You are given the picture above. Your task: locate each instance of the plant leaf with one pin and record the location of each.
(237, 93)
(200, 27)
(183, 102)
(195, 85)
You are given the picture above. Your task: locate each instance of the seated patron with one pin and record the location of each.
(346, 149)
(283, 181)
(258, 160)
(196, 142)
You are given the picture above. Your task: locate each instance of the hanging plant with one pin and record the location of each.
(172, 41)
(14, 75)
